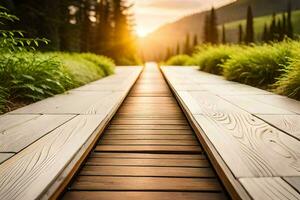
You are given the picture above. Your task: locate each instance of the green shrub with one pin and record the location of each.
(210, 58)
(179, 60)
(289, 83)
(104, 63)
(258, 65)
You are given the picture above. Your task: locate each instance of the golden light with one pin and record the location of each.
(141, 32)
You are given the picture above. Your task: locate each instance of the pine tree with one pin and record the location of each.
(211, 29)
(223, 34)
(272, 36)
(249, 38)
(178, 49)
(187, 45)
(265, 36)
(241, 33)
(280, 33)
(284, 24)
(290, 31)
(195, 41)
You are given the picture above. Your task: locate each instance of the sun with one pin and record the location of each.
(141, 32)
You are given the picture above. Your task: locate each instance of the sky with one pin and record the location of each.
(151, 14)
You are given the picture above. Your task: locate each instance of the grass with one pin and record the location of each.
(210, 59)
(28, 77)
(274, 67)
(259, 23)
(179, 60)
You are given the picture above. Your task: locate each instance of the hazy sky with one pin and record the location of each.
(150, 14)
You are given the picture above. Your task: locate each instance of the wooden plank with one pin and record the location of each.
(115, 195)
(152, 156)
(17, 138)
(288, 123)
(149, 127)
(149, 132)
(8, 121)
(5, 156)
(151, 142)
(149, 137)
(124, 121)
(255, 107)
(294, 182)
(160, 149)
(147, 171)
(269, 188)
(27, 174)
(145, 184)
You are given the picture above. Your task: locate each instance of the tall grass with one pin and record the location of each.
(258, 65)
(210, 58)
(179, 60)
(28, 76)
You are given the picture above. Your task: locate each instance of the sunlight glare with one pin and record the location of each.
(141, 32)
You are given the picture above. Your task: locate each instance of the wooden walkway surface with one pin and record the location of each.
(250, 135)
(148, 151)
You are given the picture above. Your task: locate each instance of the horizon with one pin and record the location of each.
(151, 15)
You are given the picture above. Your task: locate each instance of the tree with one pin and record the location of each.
(265, 36)
(178, 49)
(168, 53)
(223, 34)
(240, 33)
(290, 31)
(187, 45)
(249, 38)
(211, 29)
(272, 36)
(195, 41)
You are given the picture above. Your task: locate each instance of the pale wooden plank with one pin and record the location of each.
(145, 184)
(27, 174)
(269, 188)
(115, 195)
(294, 182)
(75, 103)
(8, 121)
(5, 156)
(279, 101)
(255, 107)
(17, 138)
(248, 145)
(288, 123)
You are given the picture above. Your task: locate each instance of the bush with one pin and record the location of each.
(258, 65)
(289, 83)
(104, 63)
(179, 60)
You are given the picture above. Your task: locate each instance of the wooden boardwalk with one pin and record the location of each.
(250, 135)
(148, 151)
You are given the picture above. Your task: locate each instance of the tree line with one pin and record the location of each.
(98, 26)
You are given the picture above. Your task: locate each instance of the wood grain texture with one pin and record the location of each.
(148, 137)
(27, 174)
(248, 145)
(17, 138)
(5, 156)
(269, 188)
(149, 127)
(294, 182)
(102, 195)
(151, 156)
(145, 184)
(149, 132)
(147, 162)
(151, 142)
(288, 123)
(8, 121)
(147, 171)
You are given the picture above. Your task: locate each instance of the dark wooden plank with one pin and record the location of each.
(149, 132)
(147, 162)
(151, 142)
(148, 155)
(149, 127)
(146, 121)
(115, 195)
(145, 184)
(294, 182)
(147, 171)
(269, 188)
(149, 137)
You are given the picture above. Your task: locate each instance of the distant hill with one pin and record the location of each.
(155, 44)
